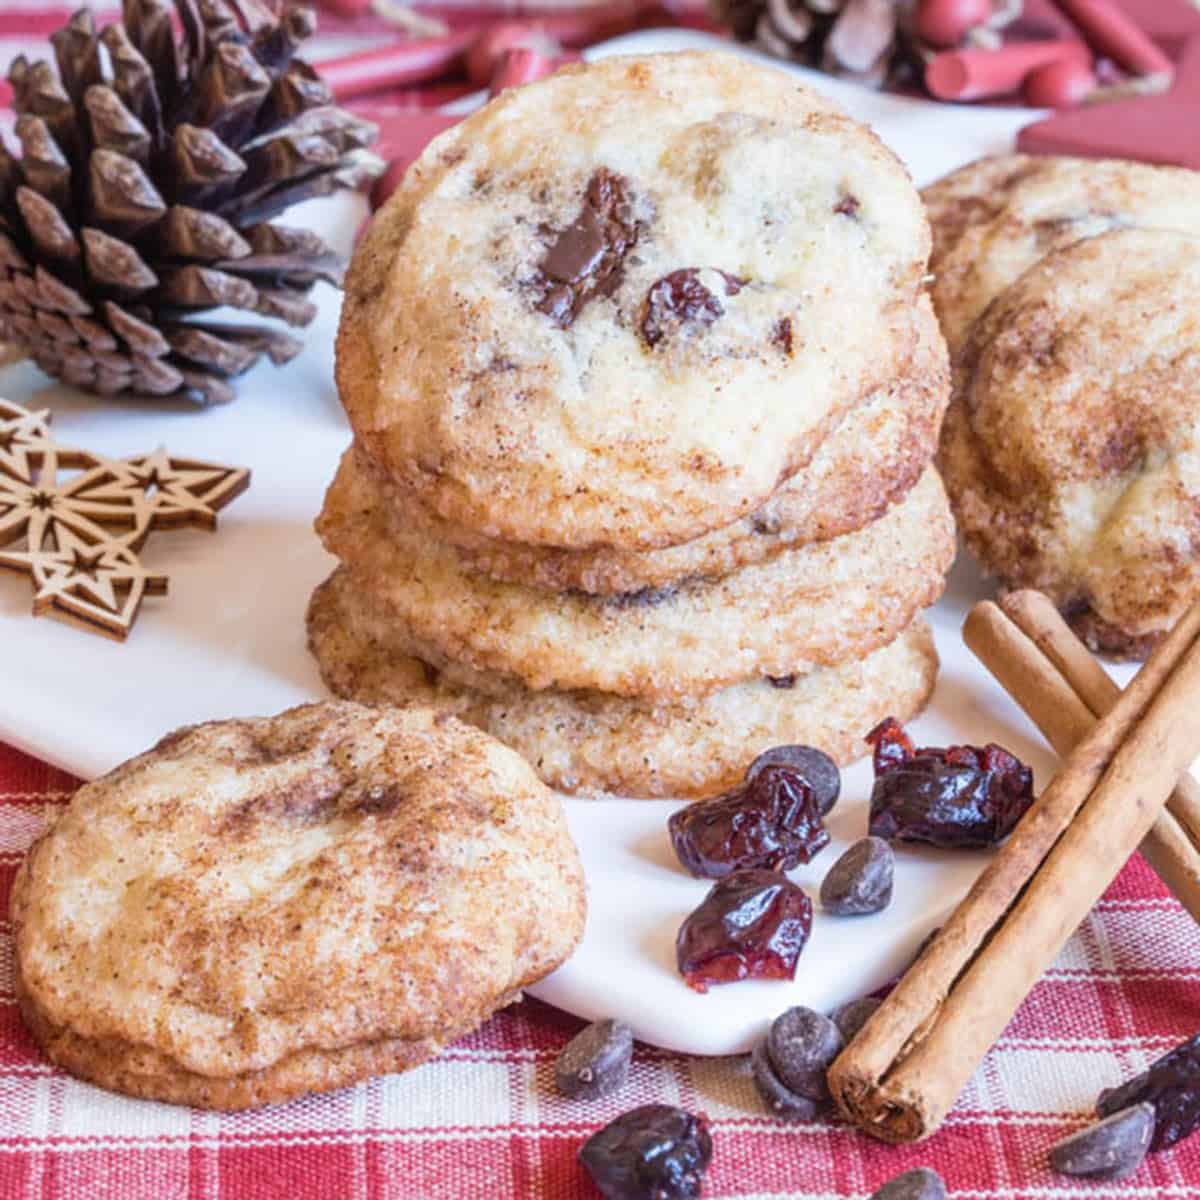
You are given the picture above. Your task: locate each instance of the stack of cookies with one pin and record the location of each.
(1067, 289)
(644, 392)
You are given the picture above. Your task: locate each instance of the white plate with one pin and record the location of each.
(229, 640)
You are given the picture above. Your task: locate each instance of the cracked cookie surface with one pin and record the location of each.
(255, 909)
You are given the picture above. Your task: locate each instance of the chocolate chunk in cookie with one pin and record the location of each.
(586, 259)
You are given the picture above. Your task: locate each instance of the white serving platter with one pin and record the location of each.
(229, 641)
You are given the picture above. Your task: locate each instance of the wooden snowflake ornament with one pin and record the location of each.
(74, 521)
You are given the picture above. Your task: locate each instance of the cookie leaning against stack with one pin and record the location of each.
(255, 909)
(640, 479)
(1071, 450)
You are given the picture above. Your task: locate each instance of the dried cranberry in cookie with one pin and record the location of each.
(683, 299)
(620, 306)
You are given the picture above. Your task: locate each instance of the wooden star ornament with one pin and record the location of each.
(74, 521)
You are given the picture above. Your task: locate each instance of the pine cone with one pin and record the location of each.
(144, 196)
(870, 41)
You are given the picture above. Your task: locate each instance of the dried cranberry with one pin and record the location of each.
(751, 925)
(1172, 1085)
(959, 796)
(655, 1152)
(681, 299)
(890, 745)
(772, 820)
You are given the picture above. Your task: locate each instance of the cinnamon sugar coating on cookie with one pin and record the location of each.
(870, 461)
(493, 354)
(587, 741)
(807, 607)
(995, 219)
(1071, 449)
(255, 909)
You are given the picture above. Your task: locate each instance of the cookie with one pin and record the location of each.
(595, 741)
(556, 333)
(807, 607)
(1045, 208)
(971, 196)
(255, 909)
(871, 460)
(1071, 450)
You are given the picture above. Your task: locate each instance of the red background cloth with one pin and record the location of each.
(485, 1121)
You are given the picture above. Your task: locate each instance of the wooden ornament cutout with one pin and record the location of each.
(74, 521)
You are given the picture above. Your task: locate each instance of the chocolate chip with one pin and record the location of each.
(647, 597)
(579, 250)
(801, 1044)
(680, 299)
(783, 1102)
(921, 1184)
(860, 882)
(1109, 1149)
(814, 766)
(784, 682)
(851, 1017)
(781, 335)
(595, 1062)
(847, 206)
(586, 258)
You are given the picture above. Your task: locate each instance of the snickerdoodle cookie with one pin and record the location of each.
(255, 909)
(1072, 446)
(618, 307)
(591, 740)
(871, 460)
(809, 606)
(995, 219)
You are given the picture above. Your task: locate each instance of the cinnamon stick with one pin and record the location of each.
(1023, 641)
(900, 1075)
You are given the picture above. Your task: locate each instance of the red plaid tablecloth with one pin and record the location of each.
(485, 1121)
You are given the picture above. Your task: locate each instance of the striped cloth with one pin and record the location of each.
(485, 1121)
